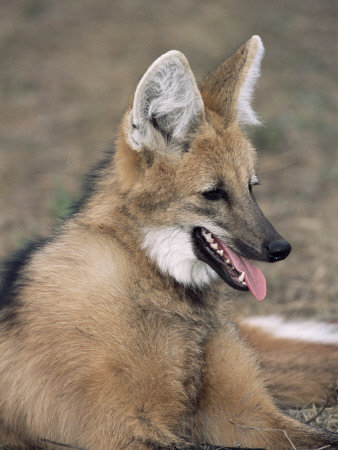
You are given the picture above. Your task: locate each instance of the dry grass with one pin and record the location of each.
(67, 69)
(326, 419)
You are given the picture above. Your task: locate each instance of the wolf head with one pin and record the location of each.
(187, 172)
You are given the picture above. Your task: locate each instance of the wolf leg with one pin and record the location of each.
(8, 440)
(120, 415)
(235, 408)
(102, 410)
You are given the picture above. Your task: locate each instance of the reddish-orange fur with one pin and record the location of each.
(104, 351)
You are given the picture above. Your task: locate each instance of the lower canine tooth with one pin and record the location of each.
(241, 278)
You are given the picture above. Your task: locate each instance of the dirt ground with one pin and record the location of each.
(68, 68)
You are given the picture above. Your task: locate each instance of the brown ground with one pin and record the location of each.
(68, 67)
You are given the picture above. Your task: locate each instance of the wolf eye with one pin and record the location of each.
(215, 194)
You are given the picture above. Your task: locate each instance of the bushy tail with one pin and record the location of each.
(300, 359)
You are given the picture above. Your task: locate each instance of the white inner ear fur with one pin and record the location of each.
(172, 250)
(245, 113)
(168, 94)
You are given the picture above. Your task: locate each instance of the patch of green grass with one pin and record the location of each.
(61, 203)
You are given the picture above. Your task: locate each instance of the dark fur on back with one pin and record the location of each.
(12, 268)
(91, 180)
(11, 279)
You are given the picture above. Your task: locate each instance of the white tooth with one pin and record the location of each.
(209, 238)
(214, 246)
(244, 283)
(228, 261)
(241, 278)
(220, 252)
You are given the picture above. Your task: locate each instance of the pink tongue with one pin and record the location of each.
(254, 277)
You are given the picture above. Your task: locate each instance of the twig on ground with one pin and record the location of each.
(322, 409)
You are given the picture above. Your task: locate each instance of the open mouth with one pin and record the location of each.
(236, 270)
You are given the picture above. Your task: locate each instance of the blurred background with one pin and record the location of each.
(69, 67)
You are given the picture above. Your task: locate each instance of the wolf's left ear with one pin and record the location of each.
(167, 104)
(228, 90)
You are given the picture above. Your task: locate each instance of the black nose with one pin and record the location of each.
(278, 250)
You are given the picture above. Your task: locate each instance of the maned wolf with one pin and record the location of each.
(115, 332)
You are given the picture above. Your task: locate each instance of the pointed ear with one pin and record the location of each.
(229, 89)
(167, 104)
